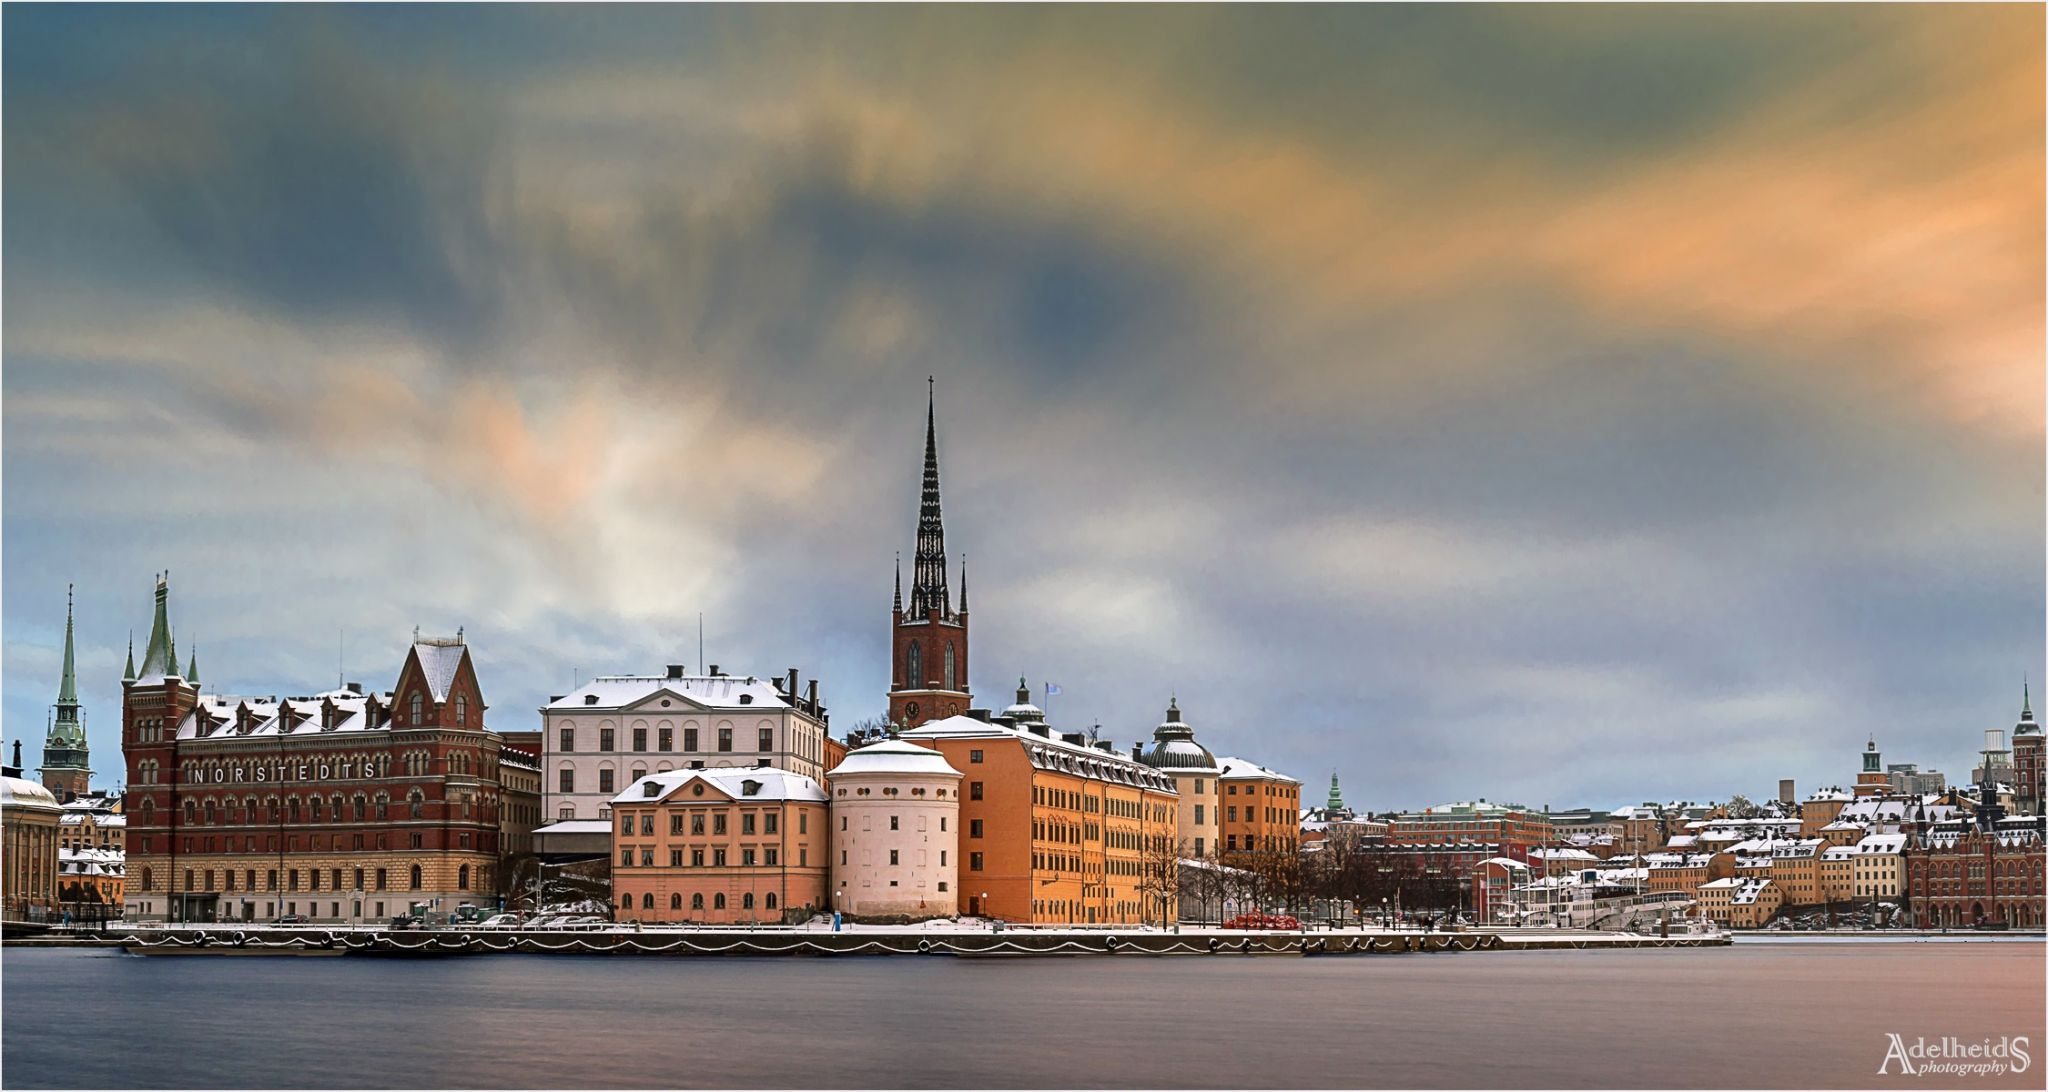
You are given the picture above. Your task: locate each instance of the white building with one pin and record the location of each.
(895, 833)
(617, 729)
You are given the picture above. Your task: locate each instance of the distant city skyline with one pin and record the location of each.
(1567, 407)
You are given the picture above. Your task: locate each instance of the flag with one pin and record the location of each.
(1051, 689)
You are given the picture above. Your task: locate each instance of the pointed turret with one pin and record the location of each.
(897, 605)
(192, 667)
(963, 583)
(67, 690)
(128, 673)
(2027, 725)
(157, 660)
(928, 593)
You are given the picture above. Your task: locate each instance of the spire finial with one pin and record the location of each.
(898, 602)
(928, 593)
(2026, 699)
(192, 665)
(157, 660)
(963, 582)
(128, 673)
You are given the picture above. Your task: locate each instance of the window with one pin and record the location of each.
(697, 901)
(604, 781)
(639, 739)
(461, 715)
(974, 862)
(915, 676)
(718, 823)
(942, 822)
(767, 741)
(646, 857)
(697, 858)
(148, 880)
(747, 900)
(675, 858)
(974, 790)
(718, 901)
(803, 822)
(718, 858)
(768, 823)
(747, 857)
(942, 858)
(770, 857)
(568, 741)
(893, 823)
(690, 744)
(416, 706)
(416, 884)
(626, 857)
(668, 743)
(893, 857)
(647, 823)
(416, 803)
(461, 874)
(972, 756)
(605, 741)
(949, 666)
(771, 900)
(725, 739)
(974, 828)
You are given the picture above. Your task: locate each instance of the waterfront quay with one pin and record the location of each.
(865, 940)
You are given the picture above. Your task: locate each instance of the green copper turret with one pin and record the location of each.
(67, 761)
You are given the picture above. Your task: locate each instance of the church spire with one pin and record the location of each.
(192, 666)
(1336, 801)
(928, 592)
(158, 656)
(963, 583)
(128, 673)
(898, 602)
(67, 690)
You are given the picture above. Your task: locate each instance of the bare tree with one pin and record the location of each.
(1159, 877)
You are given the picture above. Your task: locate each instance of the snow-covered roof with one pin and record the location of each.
(1881, 843)
(608, 693)
(742, 783)
(221, 716)
(1234, 769)
(17, 792)
(893, 757)
(1547, 853)
(1050, 751)
(439, 660)
(576, 826)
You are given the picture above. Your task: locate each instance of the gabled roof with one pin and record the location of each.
(614, 693)
(439, 661)
(767, 783)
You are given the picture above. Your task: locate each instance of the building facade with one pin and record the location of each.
(1872, 780)
(1261, 808)
(335, 806)
(2029, 789)
(29, 816)
(895, 833)
(1055, 829)
(928, 638)
(617, 729)
(729, 846)
(1983, 870)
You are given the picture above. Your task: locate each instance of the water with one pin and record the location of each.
(1751, 1016)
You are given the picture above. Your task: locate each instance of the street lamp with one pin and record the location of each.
(1383, 909)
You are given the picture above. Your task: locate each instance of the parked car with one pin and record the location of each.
(499, 921)
(1263, 921)
(289, 919)
(407, 921)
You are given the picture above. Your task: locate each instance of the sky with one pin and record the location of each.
(1572, 406)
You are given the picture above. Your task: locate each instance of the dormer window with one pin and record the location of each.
(750, 788)
(651, 789)
(590, 699)
(746, 699)
(416, 709)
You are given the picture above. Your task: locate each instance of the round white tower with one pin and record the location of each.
(895, 833)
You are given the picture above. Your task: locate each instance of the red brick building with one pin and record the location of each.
(336, 806)
(928, 639)
(1959, 874)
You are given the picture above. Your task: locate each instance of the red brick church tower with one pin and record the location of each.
(928, 642)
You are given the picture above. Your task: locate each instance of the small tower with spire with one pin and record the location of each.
(67, 761)
(928, 638)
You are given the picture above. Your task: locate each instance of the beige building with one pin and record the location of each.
(1838, 874)
(617, 729)
(28, 837)
(1880, 867)
(1738, 902)
(895, 833)
(1196, 777)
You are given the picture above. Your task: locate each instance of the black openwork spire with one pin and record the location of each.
(928, 587)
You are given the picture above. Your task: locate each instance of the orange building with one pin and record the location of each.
(723, 846)
(1053, 829)
(1261, 808)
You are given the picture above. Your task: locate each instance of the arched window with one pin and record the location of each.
(149, 813)
(461, 709)
(675, 901)
(361, 807)
(417, 709)
(915, 681)
(697, 901)
(771, 900)
(148, 880)
(416, 878)
(626, 902)
(462, 878)
(416, 804)
(949, 666)
(647, 901)
(191, 812)
(718, 901)
(747, 901)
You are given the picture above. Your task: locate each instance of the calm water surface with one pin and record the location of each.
(1785, 1016)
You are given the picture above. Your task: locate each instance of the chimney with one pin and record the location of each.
(355, 688)
(1106, 745)
(1137, 748)
(715, 673)
(812, 699)
(979, 714)
(791, 688)
(1785, 793)
(675, 671)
